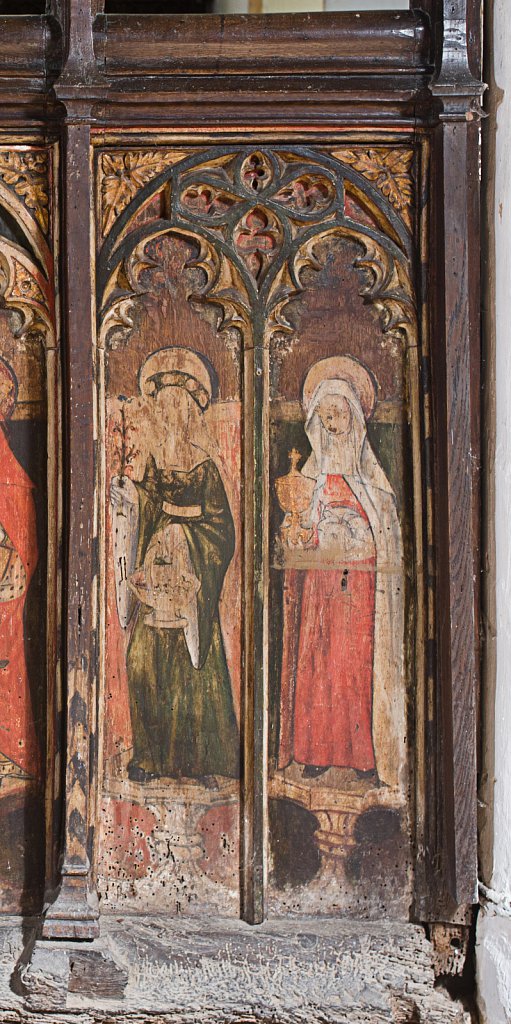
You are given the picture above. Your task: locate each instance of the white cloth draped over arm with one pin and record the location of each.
(125, 525)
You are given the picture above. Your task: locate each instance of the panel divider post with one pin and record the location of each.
(253, 875)
(74, 914)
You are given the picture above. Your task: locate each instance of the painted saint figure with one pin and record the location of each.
(342, 689)
(19, 749)
(173, 542)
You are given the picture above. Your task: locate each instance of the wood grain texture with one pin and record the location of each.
(40, 50)
(165, 44)
(456, 358)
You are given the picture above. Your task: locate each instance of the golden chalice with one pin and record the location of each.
(294, 493)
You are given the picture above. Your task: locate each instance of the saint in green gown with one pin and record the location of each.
(183, 718)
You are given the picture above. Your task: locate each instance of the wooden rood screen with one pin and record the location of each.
(239, 509)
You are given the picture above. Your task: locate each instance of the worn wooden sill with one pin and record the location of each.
(218, 971)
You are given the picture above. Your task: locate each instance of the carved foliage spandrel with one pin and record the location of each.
(123, 174)
(27, 174)
(389, 169)
(27, 284)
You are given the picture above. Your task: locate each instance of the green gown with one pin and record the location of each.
(183, 718)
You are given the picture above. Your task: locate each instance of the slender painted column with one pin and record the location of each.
(74, 914)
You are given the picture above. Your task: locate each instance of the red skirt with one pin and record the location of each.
(326, 700)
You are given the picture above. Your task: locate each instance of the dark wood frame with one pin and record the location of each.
(417, 73)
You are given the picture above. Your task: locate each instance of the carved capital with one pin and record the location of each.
(458, 91)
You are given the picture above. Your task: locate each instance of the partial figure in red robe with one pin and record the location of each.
(19, 750)
(342, 682)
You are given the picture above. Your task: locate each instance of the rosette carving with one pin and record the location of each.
(207, 201)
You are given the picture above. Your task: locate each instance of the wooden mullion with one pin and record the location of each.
(256, 627)
(74, 914)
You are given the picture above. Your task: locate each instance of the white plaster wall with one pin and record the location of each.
(494, 925)
(501, 877)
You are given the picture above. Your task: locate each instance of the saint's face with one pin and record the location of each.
(172, 406)
(335, 414)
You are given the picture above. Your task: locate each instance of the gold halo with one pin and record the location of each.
(342, 368)
(173, 358)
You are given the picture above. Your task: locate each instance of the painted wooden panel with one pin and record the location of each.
(341, 584)
(261, 492)
(170, 832)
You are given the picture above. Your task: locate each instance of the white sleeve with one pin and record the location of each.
(125, 526)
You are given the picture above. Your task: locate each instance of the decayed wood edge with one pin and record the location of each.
(54, 697)
(424, 589)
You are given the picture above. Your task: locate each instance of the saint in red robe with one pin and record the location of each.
(343, 694)
(327, 671)
(19, 554)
